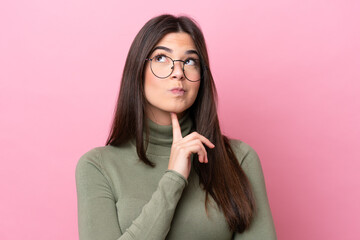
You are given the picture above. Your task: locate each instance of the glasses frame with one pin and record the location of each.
(172, 68)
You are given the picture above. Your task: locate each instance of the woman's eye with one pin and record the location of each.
(191, 61)
(160, 58)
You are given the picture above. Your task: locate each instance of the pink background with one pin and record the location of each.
(287, 73)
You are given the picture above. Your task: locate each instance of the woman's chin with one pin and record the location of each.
(177, 111)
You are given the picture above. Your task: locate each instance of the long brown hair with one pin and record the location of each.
(222, 177)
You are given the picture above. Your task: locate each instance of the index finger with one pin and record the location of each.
(176, 127)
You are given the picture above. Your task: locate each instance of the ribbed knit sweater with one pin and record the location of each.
(119, 197)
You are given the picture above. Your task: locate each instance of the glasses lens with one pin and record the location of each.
(192, 70)
(161, 66)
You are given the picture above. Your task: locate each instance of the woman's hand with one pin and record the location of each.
(182, 148)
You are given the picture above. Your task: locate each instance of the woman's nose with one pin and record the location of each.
(178, 71)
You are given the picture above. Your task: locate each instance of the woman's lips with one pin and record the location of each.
(178, 91)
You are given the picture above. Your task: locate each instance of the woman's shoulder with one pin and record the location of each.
(98, 156)
(93, 156)
(243, 151)
(94, 153)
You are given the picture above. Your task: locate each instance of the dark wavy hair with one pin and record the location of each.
(222, 177)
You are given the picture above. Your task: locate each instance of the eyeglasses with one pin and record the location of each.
(162, 66)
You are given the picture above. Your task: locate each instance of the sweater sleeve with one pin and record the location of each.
(262, 226)
(97, 212)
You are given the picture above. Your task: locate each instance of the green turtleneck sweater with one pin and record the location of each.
(119, 197)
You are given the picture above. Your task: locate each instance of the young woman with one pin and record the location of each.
(166, 171)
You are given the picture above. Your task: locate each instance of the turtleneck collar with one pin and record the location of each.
(161, 136)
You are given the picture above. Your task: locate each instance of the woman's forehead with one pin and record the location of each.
(176, 42)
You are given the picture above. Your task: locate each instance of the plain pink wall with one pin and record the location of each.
(287, 74)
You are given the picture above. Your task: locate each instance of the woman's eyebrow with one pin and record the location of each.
(171, 51)
(192, 52)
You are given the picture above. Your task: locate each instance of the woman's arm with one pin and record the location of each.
(97, 212)
(262, 226)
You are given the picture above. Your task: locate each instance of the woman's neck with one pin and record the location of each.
(161, 117)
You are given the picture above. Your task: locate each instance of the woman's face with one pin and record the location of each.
(160, 94)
